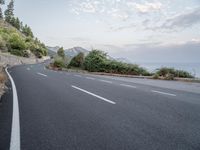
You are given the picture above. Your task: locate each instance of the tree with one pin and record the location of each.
(61, 52)
(17, 24)
(26, 30)
(2, 2)
(9, 12)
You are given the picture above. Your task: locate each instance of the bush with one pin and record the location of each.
(17, 42)
(77, 61)
(59, 63)
(18, 52)
(169, 76)
(96, 61)
(156, 76)
(167, 72)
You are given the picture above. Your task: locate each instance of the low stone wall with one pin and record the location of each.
(12, 60)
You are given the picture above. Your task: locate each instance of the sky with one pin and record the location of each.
(139, 30)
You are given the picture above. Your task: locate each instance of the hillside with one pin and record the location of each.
(17, 43)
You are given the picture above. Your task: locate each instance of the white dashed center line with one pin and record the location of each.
(97, 96)
(106, 81)
(126, 85)
(42, 74)
(164, 93)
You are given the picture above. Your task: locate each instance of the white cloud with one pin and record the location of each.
(146, 7)
(180, 21)
(118, 14)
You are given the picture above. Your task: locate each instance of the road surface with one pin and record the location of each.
(61, 111)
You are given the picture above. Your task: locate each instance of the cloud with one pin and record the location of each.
(119, 14)
(120, 28)
(180, 21)
(146, 7)
(183, 20)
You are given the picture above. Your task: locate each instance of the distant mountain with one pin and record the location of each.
(55, 49)
(52, 51)
(71, 52)
(123, 60)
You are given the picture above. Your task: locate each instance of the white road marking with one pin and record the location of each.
(104, 99)
(126, 85)
(27, 68)
(90, 78)
(159, 92)
(15, 130)
(42, 74)
(106, 81)
(77, 75)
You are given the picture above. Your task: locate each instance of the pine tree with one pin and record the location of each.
(26, 30)
(9, 12)
(2, 2)
(17, 24)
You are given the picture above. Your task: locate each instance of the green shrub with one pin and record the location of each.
(156, 76)
(17, 52)
(77, 61)
(59, 62)
(169, 76)
(166, 72)
(17, 42)
(96, 61)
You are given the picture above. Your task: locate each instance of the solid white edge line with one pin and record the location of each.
(15, 130)
(97, 96)
(163, 93)
(126, 85)
(42, 74)
(105, 81)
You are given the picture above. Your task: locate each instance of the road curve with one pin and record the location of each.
(60, 110)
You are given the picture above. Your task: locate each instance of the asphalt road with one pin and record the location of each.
(61, 111)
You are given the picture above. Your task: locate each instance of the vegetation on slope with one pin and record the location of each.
(16, 38)
(97, 61)
(171, 73)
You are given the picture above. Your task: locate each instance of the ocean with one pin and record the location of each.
(193, 68)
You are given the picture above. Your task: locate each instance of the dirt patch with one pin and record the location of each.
(3, 79)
